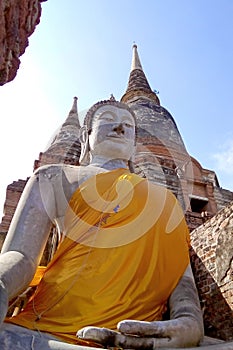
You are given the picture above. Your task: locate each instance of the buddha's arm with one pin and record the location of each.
(185, 309)
(26, 238)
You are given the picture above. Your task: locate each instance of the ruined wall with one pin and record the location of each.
(18, 19)
(212, 262)
(13, 194)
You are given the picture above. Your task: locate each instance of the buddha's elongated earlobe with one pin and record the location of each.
(84, 158)
(131, 166)
(131, 161)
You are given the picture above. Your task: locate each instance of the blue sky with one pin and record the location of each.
(84, 49)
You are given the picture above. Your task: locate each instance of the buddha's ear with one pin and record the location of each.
(84, 156)
(131, 161)
(83, 135)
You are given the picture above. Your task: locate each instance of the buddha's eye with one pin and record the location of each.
(128, 125)
(107, 118)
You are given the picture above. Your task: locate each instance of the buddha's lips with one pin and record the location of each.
(116, 136)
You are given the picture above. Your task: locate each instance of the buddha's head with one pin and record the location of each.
(109, 132)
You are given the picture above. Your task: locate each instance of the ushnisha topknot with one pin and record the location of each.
(90, 113)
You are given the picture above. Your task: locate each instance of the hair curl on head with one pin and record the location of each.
(90, 113)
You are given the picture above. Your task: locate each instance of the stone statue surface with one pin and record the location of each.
(122, 260)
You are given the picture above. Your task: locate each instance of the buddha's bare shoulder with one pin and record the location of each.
(62, 180)
(55, 171)
(65, 177)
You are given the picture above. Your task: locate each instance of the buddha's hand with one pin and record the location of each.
(183, 332)
(3, 302)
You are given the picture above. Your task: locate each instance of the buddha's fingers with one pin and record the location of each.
(142, 328)
(134, 342)
(110, 338)
(100, 335)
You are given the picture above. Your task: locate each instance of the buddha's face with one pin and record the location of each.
(113, 133)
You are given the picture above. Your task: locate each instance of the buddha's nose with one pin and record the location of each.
(119, 129)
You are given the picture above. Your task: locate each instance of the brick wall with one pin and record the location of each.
(18, 19)
(13, 194)
(212, 263)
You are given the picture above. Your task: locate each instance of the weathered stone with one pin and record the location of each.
(18, 19)
(213, 273)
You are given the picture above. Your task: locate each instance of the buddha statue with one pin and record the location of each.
(122, 261)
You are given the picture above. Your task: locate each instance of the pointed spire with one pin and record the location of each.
(74, 108)
(73, 118)
(138, 86)
(136, 64)
(65, 146)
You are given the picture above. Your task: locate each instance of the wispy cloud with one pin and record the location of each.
(224, 158)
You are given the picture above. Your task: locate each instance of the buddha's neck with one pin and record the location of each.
(109, 164)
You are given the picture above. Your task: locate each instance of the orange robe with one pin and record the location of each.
(125, 248)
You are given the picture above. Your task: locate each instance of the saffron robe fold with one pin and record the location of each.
(124, 250)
